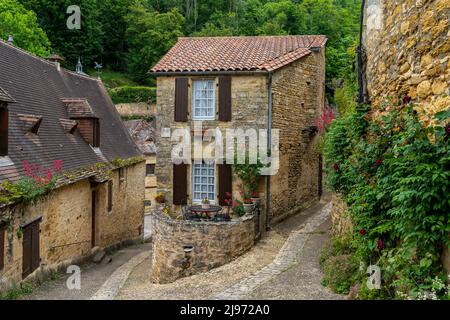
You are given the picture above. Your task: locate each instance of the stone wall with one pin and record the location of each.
(249, 110)
(66, 226)
(341, 223)
(408, 52)
(136, 109)
(213, 244)
(298, 98)
(407, 44)
(150, 186)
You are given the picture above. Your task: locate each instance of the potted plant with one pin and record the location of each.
(255, 197)
(249, 206)
(160, 198)
(238, 208)
(206, 204)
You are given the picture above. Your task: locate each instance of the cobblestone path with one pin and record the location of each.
(284, 265)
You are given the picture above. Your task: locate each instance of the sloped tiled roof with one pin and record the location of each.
(38, 89)
(78, 108)
(143, 134)
(264, 53)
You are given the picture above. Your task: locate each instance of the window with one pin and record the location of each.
(4, 119)
(203, 104)
(203, 182)
(150, 169)
(2, 247)
(110, 196)
(122, 174)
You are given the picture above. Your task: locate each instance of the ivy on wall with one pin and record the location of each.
(394, 174)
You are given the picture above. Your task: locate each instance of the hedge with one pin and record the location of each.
(128, 94)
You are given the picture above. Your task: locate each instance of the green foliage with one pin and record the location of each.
(339, 272)
(113, 79)
(86, 42)
(150, 35)
(395, 176)
(129, 94)
(17, 291)
(249, 175)
(21, 23)
(25, 191)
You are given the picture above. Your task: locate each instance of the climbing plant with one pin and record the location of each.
(394, 174)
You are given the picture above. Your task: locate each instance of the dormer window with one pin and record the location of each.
(31, 122)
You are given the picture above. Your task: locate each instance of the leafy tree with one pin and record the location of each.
(150, 35)
(21, 23)
(71, 44)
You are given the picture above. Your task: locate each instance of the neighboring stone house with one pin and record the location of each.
(59, 126)
(243, 82)
(143, 134)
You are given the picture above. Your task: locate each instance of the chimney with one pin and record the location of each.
(10, 39)
(56, 59)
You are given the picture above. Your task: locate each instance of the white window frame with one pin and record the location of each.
(208, 176)
(210, 100)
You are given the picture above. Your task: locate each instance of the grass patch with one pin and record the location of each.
(17, 292)
(113, 79)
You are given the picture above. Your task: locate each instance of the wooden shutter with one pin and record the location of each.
(225, 98)
(110, 196)
(180, 184)
(35, 246)
(225, 182)
(26, 253)
(4, 120)
(2, 248)
(181, 99)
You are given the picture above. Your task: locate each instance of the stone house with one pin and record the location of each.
(60, 128)
(266, 82)
(143, 134)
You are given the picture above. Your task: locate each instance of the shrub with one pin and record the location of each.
(128, 94)
(394, 175)
(339, 273)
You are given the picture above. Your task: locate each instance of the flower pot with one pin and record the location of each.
(248, 208)
(206, 206)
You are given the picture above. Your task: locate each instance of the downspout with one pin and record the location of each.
(360, 55)
(269, 146)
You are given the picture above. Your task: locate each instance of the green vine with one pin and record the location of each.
(394, 174)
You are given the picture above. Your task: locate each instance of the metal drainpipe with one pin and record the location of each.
(269, 146)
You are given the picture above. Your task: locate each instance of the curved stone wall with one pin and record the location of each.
(184, 248)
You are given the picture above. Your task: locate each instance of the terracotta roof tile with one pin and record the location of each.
(266, 53)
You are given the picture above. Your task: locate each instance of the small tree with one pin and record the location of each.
(249, 175)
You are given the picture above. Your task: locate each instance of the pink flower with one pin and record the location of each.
(57, 166)
(380, 244)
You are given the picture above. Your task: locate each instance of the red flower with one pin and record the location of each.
(336, 167)
(447, 129)
(380, 244)
(363, 232)
(229, 195)
(255, 194)
(379, 162)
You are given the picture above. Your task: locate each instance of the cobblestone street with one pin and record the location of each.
(284, 265)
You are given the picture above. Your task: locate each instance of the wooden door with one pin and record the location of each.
(31, 258)
(93, 213)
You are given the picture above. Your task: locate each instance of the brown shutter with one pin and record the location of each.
(26, 254)
(225, 182)
(225, 99)
(180, 184)
(181, 99)
(110, 196)
(2, 248)
(4, 119)
(35, 248)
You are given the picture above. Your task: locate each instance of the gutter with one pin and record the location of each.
(208, 73)
(269, 144)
